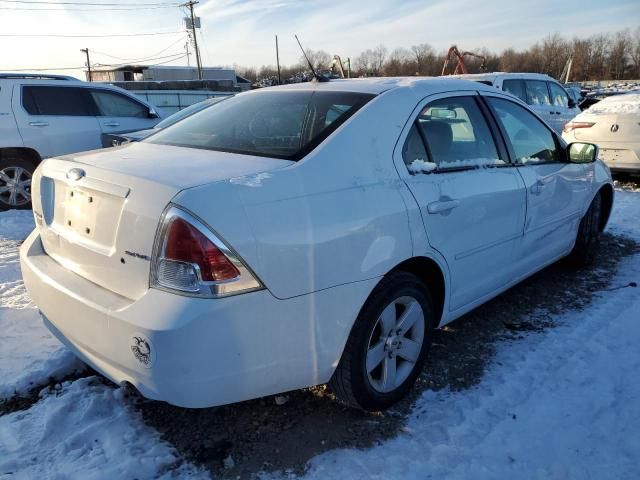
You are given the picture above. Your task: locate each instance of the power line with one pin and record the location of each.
(181, 54)
(86, 36)
(134, 9)
(44, 2)
(138, 59)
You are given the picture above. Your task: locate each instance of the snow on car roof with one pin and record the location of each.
(377, 85)
(626, 103)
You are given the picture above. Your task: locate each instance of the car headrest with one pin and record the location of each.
(439, 137)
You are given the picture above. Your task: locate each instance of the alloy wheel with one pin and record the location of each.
(15, 186)
(395, 344)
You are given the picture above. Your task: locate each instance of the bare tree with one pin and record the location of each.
(424, 57)
(320, 59)
(399, 63)
(635, 53)
(618, 54)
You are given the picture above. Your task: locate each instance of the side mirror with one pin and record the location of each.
(153, 113)
(582, 152)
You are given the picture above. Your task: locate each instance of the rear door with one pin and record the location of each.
(540, 102)
(55, 119)
(561, 112)
(556, 190)
(120, 113)
(472, 200)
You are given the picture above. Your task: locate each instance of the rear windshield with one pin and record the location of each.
(280, 124)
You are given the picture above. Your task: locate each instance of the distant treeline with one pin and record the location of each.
(599, 57)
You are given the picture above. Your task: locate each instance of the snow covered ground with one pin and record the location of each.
(559, 404)
(28, 353)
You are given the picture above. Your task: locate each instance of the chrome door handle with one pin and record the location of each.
(442, 206)
(112, 124)
(39, 124)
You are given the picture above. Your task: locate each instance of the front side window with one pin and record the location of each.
(111, 104)
(59, 101)
(559, 97)
(515, 87)
(537, 93)
(531, 140)
(285, 124)
(456, 136)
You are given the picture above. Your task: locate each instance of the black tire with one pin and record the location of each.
(351, 382)
(588, 237)
(9, 166)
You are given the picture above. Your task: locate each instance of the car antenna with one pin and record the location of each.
(316, 77)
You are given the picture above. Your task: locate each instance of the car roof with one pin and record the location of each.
(22, 77)
(377, 85)
(495, 75)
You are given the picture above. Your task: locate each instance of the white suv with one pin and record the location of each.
(50, 115)
(542, 93)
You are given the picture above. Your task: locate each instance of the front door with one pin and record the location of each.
(471, 198)
(556, 189)
(120, 113)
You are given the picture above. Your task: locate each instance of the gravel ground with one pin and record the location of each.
(242, 440)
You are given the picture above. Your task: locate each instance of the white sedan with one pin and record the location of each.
(306, 234)
(613, 124)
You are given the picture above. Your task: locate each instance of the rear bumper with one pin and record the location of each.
(194, 352)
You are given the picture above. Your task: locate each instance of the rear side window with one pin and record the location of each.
(456, 136)
(530, 139)
(559, 97)
(537, 93)
(515, 87)
(279, 124)
(111, 104)
(60, 101)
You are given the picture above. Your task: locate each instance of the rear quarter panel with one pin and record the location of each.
(335, 217)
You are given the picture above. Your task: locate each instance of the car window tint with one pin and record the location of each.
(515, 87)
(112, 104)
(537, 93)
(559, 97)
(414, 152)
(281, 124)
(531, 140)
(63, 101)
(457, 134)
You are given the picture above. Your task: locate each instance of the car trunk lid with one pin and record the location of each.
(97, 213)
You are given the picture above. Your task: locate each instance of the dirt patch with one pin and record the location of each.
(241, 440)
(24, 401)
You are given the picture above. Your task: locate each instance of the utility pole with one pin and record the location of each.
(86, 51)
(190, 5)
(278, 61)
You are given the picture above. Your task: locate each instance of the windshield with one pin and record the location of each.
(186, 112)
(282, 124)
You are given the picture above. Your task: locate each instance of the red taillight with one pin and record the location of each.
(569, 126)
(185, 243)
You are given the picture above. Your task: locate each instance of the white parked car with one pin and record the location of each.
(45, 116)
(614, 124)
(304, 234)
(542, 93)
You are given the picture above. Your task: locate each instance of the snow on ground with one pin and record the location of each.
(84, 430)
(562, 404)
(558, 405)
(29, 354)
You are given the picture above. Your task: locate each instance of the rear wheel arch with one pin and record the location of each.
(432, 275)
(24, 153)
(606, 194)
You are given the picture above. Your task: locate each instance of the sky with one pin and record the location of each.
(241, 32)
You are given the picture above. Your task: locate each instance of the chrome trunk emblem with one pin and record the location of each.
(614, 128)
(75, 174)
